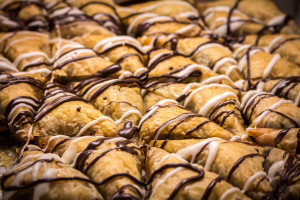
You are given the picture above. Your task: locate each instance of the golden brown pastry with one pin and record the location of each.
(45, 176)
(166, 119)
(256, 64)
(115, 164)
(264, 110)
(288, 88)
(171, 177)
(116, 98)
(63, 112)
(20, 98)
(217, 102)
(285, 45)
(74, 62)
(239, 163)
(286, 139)
(203, 51)
(283, 172)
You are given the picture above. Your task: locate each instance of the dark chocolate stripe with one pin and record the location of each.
(210, 187)
(280, 136)
(239, 161)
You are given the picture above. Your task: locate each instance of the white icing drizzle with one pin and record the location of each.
(167, 156)
(155, 107)
(71, 151)
(274, 169)
(128, 113)
(228, 192)
(185, 29)
(167, 175)
(125, 74)
(234, 25)
(243, 59)
(182, 3)
(7, 65)
(215, 101)
(71, 55)
(29, 55)
(97, 86)
(217, 79)
(276, 20)
(140, 71)
(222, 62)
(28, 103)
(193, 150)
(189, 69)
(93, 123)
(156, 57)
(53, 138)
(111, 42)
(138, 18)
(265, 112)
(270, 66)
(5, 20)
(273, 42)
(163, 126)
(208, 45)
(239, 84)
(230, 69)
(201, 87)
(239, 49)
(251, 179)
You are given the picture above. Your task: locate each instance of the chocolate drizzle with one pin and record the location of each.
(128, 131)
(239, 161)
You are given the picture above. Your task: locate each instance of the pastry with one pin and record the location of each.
(45, 175)
(264, 110)
(64, 112)
(148, 99)
(172, 177)
(217, 102)
(113, 162)
(166, 119)
(227, 159)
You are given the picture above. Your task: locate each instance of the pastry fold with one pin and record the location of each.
(203, 51)
(74, 62)
(285, 45)
(102, 11)
(288, 88)
(69, 22)
(63, 112)
(228, 159)
(256, 64)
(236, 17)
(123, 50)
(171, 177)
(33, 58)
(217, 102)
(20, 98)
(166, 119)
(286, 139)
(283, 172)
(264, 110)
(115, 164)
(116, 98)
(162, 17)
(45, 176)
(166, 65)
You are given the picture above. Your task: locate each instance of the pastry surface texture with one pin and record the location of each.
(158, 100)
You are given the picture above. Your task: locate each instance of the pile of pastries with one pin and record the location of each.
(149, 100)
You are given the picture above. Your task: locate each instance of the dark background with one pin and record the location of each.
(291, 7)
